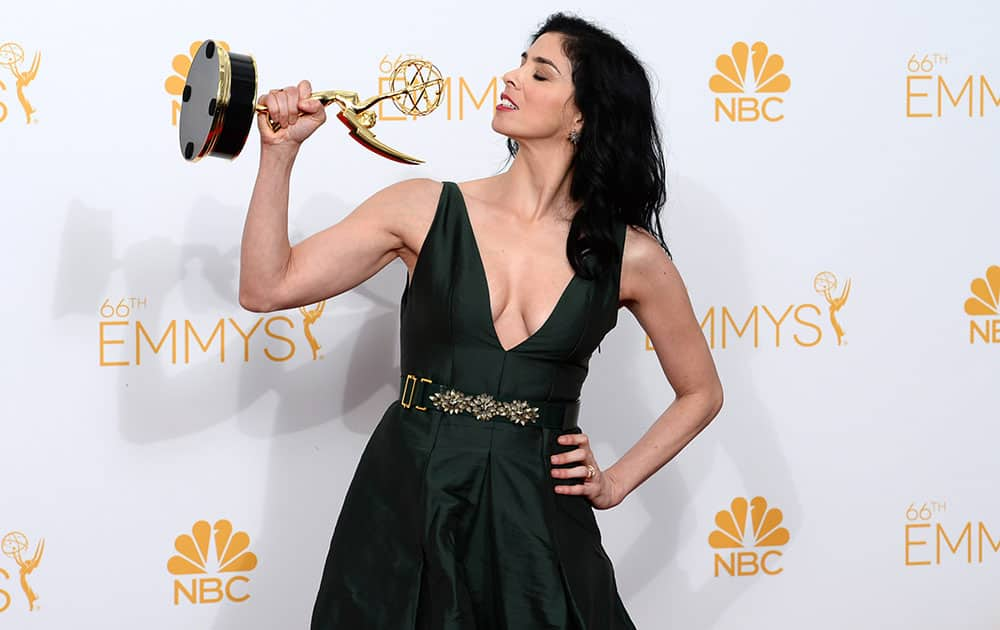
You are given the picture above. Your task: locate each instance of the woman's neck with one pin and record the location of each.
(537, 185)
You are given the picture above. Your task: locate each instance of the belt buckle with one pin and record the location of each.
(405, 402)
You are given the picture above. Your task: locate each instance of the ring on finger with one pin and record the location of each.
(591, 471)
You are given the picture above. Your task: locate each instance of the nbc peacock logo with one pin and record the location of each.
(209, 550)
(750, 530)
(984, 306)
(748, 82)
(175, 82)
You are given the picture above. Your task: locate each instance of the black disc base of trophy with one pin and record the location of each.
(217, 106)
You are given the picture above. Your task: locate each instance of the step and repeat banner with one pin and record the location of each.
(171, 460)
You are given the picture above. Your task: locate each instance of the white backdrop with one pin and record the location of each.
(877, 453)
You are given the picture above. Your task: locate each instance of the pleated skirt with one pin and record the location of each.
(451, 523)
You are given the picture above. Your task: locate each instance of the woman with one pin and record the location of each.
(471, 507)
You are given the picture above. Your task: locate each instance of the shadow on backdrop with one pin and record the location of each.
(709, 252)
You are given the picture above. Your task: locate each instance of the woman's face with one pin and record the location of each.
(539, 95)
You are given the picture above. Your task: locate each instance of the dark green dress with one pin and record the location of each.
(450, 522)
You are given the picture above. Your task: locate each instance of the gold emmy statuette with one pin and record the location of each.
(825, 283)
(220, 101)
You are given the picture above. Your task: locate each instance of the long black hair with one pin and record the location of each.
(618, 166)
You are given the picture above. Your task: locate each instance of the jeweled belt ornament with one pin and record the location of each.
(420, 393)
(484, 406)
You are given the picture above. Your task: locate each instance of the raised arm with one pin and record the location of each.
(273, 274)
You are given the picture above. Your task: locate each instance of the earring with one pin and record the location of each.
(574, 136)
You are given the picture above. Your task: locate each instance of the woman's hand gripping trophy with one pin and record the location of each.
(296, 114)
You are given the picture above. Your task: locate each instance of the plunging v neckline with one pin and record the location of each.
(486, 285)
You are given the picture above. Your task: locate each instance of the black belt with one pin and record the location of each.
(420, 393)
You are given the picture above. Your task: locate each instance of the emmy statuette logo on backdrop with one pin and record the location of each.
(757, 75)
(12, 58)
(309, 317)
(211, 550)
(15, 546)
(748, 524)
(825, 283)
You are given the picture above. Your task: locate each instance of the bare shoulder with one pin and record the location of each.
(405, 209)
(481, 189)
(408, 198)
(646, 269)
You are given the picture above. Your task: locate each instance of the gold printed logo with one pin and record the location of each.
(748, 524)
(929, 541)
(985, 302)
(126, 338)
(309, 317)
(933, 90)
(196, 557)
(231, 553)
(175, 82)
(749, 70)
(799, 324)
(764, 531)
(12, 58)
(15, 546)
(765, 74)
(985, 298)
(825, 283)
